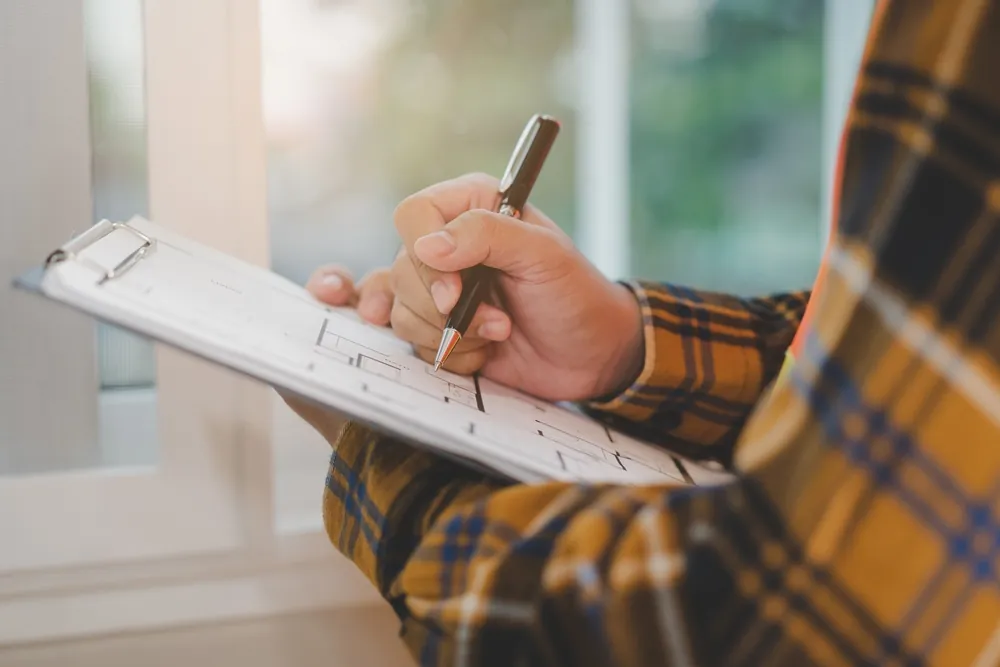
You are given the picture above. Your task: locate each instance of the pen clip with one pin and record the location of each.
(520, 152)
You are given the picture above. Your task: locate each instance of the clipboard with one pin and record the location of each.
(30, 281)
(262, 326)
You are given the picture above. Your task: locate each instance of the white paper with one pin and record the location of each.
(254, 321)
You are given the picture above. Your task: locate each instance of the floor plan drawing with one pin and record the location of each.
(560, 439)
(407, 372)
(377, 366)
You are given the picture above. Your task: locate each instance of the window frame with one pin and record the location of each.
(205, 416)
(603, 74)
(844, 32)
(43, 148)
(192, 540)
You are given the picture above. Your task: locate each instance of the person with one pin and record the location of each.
(863, 523)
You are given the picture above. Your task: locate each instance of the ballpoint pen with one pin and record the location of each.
(515, 186)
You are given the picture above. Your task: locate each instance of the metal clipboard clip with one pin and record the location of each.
(72, 249)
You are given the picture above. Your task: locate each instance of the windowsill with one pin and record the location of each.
(302, 572)
(127, 424)
(300, 461)
(128, 439)
(306, 575)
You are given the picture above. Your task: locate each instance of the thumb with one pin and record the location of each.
(504, 243)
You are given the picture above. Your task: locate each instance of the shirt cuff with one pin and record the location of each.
(629, 403)
(700, 372)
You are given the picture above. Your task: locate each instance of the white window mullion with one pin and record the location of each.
(208, 181)
(46, 353)
(602, 84)
(846, 27)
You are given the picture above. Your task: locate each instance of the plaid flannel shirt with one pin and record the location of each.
(864, 525)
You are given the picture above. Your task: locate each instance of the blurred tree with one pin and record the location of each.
(458, 84)
(723, 93)
(696, 119)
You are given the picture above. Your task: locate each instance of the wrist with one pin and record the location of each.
(629, 356)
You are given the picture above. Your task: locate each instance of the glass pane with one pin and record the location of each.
(116, 84)
(726, 142)
(115, 77)
(367, 102)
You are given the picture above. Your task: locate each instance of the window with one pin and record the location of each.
(726, 143)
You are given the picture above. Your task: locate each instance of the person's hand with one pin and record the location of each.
(560, 329)
(372, 297)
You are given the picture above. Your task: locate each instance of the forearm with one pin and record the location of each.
(708, 358)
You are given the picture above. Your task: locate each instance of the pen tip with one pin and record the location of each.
(449, 340)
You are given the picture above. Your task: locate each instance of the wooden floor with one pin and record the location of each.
(344, 638)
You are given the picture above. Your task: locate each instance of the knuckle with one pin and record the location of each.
(490, 226)
(480, 187)
(477, 223)
(409, 265)
(406, 210)
(480, 178)
(403, 264)
(375, 282)
(408, 287)
(395, 278)
(400, 319)
(486, 230)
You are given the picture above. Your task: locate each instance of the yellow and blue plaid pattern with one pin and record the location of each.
(864, 526)
(708, 358)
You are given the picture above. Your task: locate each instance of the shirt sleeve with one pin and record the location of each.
(708, 358)
(484, 573)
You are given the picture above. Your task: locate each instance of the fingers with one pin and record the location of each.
(515, 247)
(444, 204)
(372, 297)
(419, 332)
(375, 297)
(333, 285)
(430, 210)
(489, 322)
